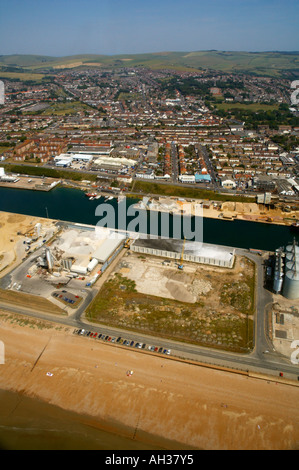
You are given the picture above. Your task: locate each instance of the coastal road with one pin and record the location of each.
(269, 364)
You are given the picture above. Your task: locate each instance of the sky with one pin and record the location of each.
(68, 27)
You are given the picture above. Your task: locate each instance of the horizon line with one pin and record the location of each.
(150, 53)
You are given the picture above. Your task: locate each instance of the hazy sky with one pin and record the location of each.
(67, 27)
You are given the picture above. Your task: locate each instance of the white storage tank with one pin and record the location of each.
(291, 256)
(291, 285)
(292, 265)
(93, 263)
(278, 281)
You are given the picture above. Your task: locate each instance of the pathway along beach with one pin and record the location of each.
(163, 403)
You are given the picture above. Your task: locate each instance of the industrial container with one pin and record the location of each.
(291, 285)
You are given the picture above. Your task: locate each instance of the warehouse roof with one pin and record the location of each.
(203, 250)
(107, 248)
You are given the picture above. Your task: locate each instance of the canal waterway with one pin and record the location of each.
(71, 205)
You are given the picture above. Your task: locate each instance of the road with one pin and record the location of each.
(174, 162)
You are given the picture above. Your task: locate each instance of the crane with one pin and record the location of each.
(181, 266)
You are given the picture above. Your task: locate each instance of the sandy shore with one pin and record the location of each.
(162, 399)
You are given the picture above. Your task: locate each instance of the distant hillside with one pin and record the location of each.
(259, 63)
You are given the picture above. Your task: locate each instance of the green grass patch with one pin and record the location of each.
(246, 107)
(23, 76)
(184, 192)
(49, 172)
(63, 109)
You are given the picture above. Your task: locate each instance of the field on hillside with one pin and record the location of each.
(23, 76)
(260, 63)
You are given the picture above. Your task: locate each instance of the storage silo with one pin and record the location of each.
(50, 260)
(292, 256)
(278, 272)
(292, 265)
(277, 284)
(291, 285)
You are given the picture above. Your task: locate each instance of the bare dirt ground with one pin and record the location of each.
(193, 405)
(284, 326)
(202, 304)
(12, 249)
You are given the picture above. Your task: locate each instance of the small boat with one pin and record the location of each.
(91, 198)
(90, 194)
(109, 198)
(294, 227)
(98, 196)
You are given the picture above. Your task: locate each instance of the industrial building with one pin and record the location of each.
(286, 272)
(196, 252)
(67, 159)
(6, 178)
(82, 252)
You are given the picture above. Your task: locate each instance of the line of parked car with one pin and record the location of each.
(122, 341)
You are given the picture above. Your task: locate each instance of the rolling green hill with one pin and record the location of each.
(273, 64)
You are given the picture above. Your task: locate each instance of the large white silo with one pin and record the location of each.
(292, 265)
(291, 285)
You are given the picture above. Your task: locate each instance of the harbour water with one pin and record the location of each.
(30, 424)
(72, 205)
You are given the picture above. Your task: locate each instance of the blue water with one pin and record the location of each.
(72, 205)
